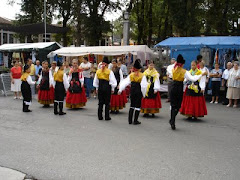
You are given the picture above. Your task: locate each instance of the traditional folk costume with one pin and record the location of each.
(176, 92)
(76, 97)
(46, 91)
(152, 101)
(138, 90)
(26, 89)
(118, 101)
(104, 82)
(193, 104)
(61, 85)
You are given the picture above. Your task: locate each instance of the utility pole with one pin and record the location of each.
(126, 28)
(45, 21)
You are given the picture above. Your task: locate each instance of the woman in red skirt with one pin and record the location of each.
(46, 91)
(193, 103)
(151, 103)
(76, 97)
(117, 101)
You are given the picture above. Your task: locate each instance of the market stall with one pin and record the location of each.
(22, 51)
(213, 48)
(139, 51)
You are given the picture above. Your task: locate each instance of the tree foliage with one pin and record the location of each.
(159, 19)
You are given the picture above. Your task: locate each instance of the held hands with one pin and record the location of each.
(155, 92)
(112, 92)
(119, 92)
(12, 81)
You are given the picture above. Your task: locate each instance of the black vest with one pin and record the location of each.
(44, 84)
(75, 84)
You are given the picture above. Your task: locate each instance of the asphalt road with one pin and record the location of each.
(78, 146)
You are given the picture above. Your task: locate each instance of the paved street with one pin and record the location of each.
(78, 146)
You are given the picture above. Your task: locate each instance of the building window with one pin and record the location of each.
(5, 40)
(11, 38)
(48, 37)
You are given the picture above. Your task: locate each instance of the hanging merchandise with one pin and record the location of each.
(33, 56)
(1, 59)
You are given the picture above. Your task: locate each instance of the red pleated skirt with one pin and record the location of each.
(118, 101)
(151, 106)
(46, 96)
(193, 106)
(76, 100)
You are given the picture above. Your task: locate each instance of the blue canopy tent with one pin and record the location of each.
(190, 47)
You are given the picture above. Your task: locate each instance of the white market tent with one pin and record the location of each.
(103, 50)
(29, 46)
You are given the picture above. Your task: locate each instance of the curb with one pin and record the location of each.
(12, 174)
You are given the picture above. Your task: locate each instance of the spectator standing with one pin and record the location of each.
(86, 67)
(233, 83)
(38, 69)
(216, 75)
(123, 67)
(169, 75)
(224, 82)
(32, 74)
(16, 73)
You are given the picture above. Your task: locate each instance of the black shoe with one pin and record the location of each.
(153, 115)
(111, 112)
(100, 118)
(146, 115)
(116, 112)
(189, 118)
(136, 122)
(46, 106)
(27, 110)
(172, 125)
(56, 113)
(107, 119)
(61, 113)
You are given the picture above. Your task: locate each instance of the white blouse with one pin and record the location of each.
(232, 81)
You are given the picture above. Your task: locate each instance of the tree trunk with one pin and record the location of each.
(65, 43)
(150, 24)
(224, 27)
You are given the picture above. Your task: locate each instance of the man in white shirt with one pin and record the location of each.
(224, 82)
(169, 75)
(86, 67)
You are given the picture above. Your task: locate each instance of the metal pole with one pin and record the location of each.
(45, 21)
(112, 32)
(126, 28)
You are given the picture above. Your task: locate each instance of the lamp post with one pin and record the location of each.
(126, 28)
(45, 21)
